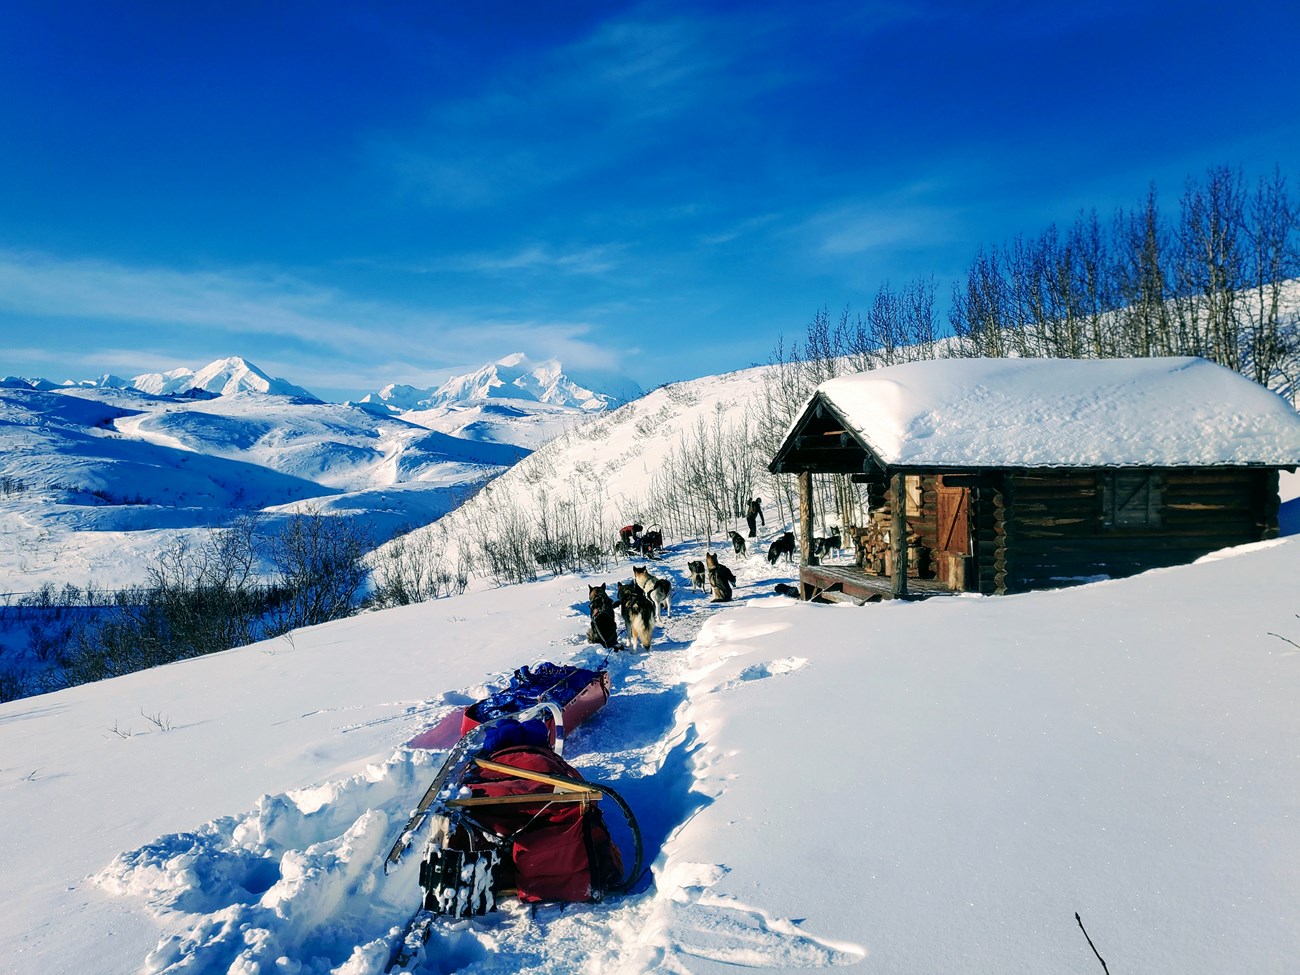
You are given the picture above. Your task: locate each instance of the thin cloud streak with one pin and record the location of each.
(264, 304)
(243, 307)
(537, 257)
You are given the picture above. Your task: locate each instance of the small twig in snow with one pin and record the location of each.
(1090, 944)
(159, 720)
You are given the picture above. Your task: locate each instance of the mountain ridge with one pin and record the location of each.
(512, 377)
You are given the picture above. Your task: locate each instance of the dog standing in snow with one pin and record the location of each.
(782, 546)
(737, 542)
(830, 543)
(638, 615)
(659, 590)
(697, 573)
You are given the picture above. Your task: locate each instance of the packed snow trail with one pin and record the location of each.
(297, 883)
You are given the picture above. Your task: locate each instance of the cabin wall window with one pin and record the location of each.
(1131, 499)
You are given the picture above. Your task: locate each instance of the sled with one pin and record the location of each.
(580, 693)
(652, 541)
(506, 816)
(631, 542)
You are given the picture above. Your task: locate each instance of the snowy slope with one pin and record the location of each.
(609, 461)
(905, 788)
(912, 788)
(109, 472)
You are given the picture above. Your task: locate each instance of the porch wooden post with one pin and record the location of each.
(898, 535)
(806, 556)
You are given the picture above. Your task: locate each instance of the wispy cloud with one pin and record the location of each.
(577, 109)
(538, 257)
(739, 230)
(249, 301)
(98, 316)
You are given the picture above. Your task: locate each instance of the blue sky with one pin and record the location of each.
(352, 194)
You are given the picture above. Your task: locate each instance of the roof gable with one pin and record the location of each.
(1028, 413)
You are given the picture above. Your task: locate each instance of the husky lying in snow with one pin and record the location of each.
(638, 615)
(659, 590)
(604, 630)
(697, 573)
(721, 578)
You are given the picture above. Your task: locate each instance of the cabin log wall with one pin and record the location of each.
(1055, 533)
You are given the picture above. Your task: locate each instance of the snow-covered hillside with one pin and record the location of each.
(111, 476)
(609, 462)
(904, 787)
(907, 788)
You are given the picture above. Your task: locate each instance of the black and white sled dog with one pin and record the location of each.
(831, 542)
(782, 546)
(695, 569)
(659, 590)
(722, 579)
(603, 630)
(638, 615)
(737, 542)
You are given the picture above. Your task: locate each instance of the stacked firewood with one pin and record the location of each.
(872, 549)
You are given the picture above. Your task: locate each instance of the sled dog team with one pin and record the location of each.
(645, 598)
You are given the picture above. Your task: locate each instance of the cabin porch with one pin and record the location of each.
(847, 580)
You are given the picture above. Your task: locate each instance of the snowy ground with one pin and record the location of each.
(908, 787)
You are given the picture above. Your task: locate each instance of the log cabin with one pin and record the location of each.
(998, 476)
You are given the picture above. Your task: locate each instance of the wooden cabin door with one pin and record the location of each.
(951, 554)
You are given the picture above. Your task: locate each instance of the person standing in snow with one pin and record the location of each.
(755, 514)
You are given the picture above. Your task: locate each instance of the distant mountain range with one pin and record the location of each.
(514, 377)
(223, 377)
(99, 477)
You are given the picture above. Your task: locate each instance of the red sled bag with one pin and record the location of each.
(559, 850)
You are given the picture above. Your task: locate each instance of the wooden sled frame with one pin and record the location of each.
(567, 790)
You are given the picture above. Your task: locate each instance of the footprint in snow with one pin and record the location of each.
(771, 668)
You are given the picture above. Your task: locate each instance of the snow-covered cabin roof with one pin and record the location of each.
(1030, 413)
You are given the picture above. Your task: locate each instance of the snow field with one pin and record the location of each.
(296, 883)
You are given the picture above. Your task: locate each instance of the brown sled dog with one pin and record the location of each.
(721, 578)
(659, 590)
(603, 630)
(638, 615)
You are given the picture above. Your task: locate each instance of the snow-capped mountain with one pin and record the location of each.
(222, 377)
(513, 400)
(514, 377)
